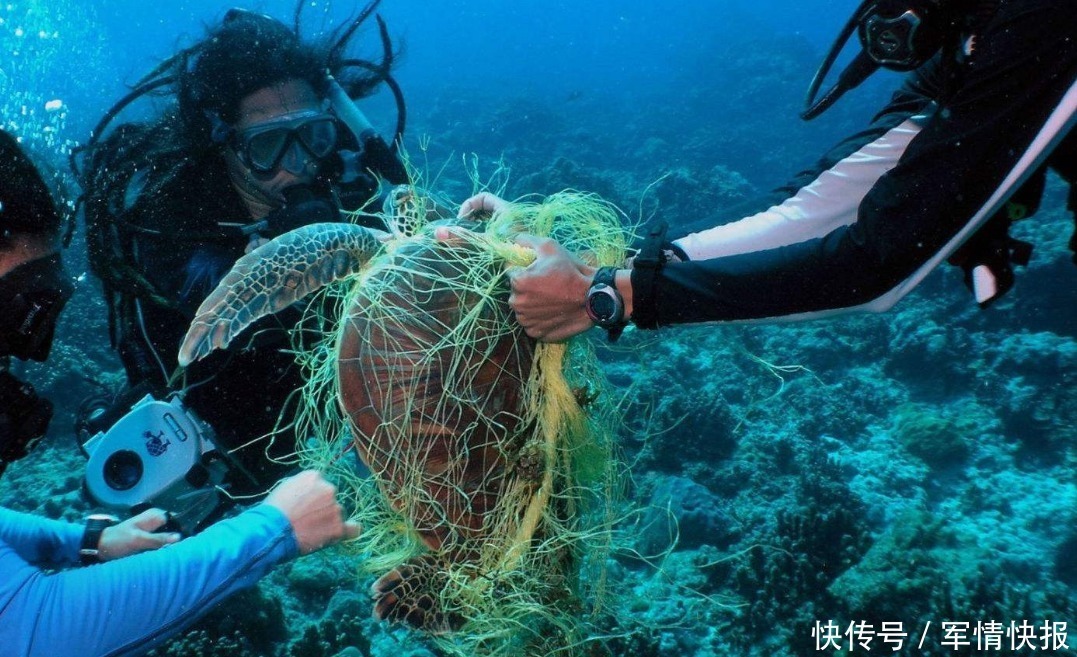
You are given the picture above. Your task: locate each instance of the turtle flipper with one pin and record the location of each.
(412, 593)
(272, 277)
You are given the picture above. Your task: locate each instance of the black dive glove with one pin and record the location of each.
(988, 265)
(302, 206)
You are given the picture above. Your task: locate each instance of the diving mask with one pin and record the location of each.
(287, 142)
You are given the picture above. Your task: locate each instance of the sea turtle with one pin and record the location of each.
(444, 396)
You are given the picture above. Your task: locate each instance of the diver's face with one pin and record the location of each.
(279, 104)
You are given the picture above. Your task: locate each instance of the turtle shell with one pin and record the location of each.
(431, 373)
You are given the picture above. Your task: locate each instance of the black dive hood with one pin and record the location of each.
(900, 35)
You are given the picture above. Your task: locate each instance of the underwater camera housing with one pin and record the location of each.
(159, 454)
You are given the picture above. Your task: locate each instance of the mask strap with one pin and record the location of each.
(220, 132)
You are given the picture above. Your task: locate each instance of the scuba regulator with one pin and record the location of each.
(899, 35)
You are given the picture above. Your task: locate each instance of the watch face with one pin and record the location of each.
(602, 305)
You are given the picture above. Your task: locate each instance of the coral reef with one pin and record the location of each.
(939, 438)
(684, 515)
(249, 623)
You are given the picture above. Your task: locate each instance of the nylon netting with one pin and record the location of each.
(479, 462)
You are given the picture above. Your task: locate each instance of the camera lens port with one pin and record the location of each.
(123, 470)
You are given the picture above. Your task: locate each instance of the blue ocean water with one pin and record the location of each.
(540, 47)
(913, 468)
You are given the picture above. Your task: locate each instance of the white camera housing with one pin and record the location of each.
(156, 455)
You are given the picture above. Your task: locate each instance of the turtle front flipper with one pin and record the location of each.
(274, 276)
(413, 593)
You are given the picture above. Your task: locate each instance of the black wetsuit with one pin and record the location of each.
(888, 205)
(240, 392)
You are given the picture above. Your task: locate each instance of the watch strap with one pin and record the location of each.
(89, 552)
(605, 276)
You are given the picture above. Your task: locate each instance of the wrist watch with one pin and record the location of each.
(91, 538)
(604, 304)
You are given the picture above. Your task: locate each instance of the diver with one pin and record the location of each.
(34, 288)
(141, 596)
(962, 147)
(263, 137)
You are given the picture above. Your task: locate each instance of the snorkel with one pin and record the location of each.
(347, 111)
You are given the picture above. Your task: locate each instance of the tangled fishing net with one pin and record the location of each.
(486, 476)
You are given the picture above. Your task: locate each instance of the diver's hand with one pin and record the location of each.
(483, 203)
(452, 235)
(135, 535)
(309, 502)
(548, 295)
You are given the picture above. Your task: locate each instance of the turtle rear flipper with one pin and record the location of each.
(412, 593)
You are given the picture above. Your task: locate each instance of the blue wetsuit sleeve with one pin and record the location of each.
(41, 541)
(127, 606)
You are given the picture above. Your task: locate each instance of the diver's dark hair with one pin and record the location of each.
(126, 171)
(245, 53)
(27, 206)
